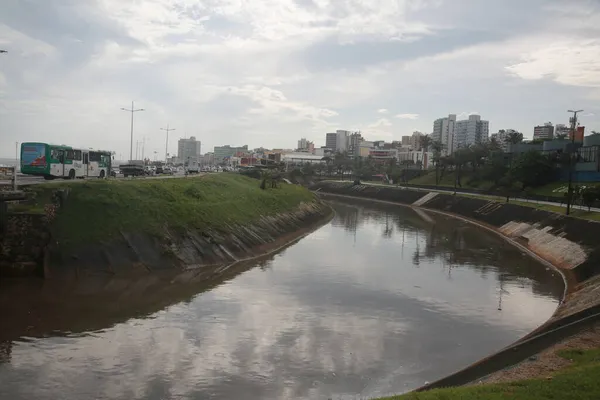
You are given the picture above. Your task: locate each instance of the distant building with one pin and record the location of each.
(470, 131)
(502, 137)
(415, 140)
(306, 146)
(331, 140)
(406, 140)
(443, 132)
(561, 130)
(354, 142)
(544, 132)
(189, 150)
(222, 152)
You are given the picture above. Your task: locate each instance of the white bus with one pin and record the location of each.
(52, 161)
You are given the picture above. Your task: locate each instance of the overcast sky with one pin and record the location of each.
(268, 72)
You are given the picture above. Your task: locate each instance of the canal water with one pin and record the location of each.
(379, 301)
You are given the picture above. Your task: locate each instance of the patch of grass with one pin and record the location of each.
(448, 180)
(100, 209)
(579, 381)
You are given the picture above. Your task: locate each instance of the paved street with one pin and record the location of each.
(27, 180)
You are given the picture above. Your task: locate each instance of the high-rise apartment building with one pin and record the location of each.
(405, 140)
(189, 149)
(443, 132)
(470, 131)
(544, 132)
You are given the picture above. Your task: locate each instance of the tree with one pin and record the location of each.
(514, 137)
(533, 169)
(425, 141)
(437, 148)
(590, 195)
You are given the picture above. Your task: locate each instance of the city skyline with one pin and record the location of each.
(387, 71)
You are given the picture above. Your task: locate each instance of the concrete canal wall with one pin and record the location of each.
(129, 227)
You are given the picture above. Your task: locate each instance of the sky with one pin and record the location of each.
(269, 72)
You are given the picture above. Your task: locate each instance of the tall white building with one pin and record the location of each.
(470, 131)
(443, 132)
(189, 149)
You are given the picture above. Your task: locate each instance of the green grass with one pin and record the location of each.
(100, 209)
(554, 189)
(448, 180)
(579, 381)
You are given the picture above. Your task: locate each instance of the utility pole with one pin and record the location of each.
(131, 110)
(571, 159)
(15, 185)
(167, 129)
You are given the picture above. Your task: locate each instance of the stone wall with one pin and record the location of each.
(22, 243)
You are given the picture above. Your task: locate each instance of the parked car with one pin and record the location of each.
(159, 170)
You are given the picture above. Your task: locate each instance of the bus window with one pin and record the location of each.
(70, 155)
(85, 158)
(77, 155)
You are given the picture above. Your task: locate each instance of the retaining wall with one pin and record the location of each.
(138, 252)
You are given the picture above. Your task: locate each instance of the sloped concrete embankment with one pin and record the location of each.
(569, 244)
(28, 248)
(135, 252)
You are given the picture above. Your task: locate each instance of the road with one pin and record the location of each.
(28, 180)
(450, 191)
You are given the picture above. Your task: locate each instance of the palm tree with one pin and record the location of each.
(437, 148)
(425, 141)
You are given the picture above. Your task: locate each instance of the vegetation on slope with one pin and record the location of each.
(100, 209)
(578, 381)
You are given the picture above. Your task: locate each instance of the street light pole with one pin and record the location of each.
(131, 110)
(167, 129)
(571, 153)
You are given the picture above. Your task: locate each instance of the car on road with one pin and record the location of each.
(159, 170)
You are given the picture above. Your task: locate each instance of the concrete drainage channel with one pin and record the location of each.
(542, 338)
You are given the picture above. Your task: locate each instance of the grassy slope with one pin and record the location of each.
(448, 180)
(579, 381)
(99, 209)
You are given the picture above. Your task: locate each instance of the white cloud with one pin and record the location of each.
(268, 72)
(407, 116)
(572, 62)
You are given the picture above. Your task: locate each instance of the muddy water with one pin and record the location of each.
(379, 301)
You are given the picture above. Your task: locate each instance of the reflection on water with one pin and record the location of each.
(377, 302)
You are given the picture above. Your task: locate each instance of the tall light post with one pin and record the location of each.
(167, 129)
(571, 154)
(131, 110)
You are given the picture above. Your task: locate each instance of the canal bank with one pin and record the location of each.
(568, 244)
(352, 310)
(129, 227)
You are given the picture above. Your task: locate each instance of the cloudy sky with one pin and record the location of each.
(267, 72)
